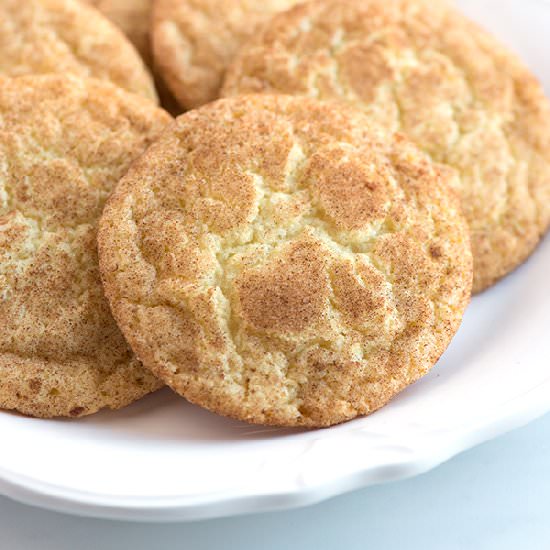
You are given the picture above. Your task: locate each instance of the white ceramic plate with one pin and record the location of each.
(163, 459)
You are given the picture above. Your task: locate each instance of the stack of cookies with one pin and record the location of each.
(295, 253)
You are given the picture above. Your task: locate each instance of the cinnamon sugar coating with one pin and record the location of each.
(195, 40)
(64, 143)
(422, 68)
(283, 261)
(68, 37)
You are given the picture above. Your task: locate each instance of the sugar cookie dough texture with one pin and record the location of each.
(64, 144)
(280, 261)
(194, 41)
(67, 36)
(422, 68)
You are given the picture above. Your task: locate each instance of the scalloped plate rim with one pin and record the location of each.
(167, 509)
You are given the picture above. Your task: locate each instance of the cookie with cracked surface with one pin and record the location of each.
(64, 143)
(194, 41)
(67, 36)
(420, 67)
(281, 261)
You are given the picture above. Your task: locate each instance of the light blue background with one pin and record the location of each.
(496, 496)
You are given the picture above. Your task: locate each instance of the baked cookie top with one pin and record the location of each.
(420, 67)
(64, 143)
(194, 41)
(282, 261)
(133, 18)
(67, 36)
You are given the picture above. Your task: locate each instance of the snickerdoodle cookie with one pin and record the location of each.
(132, 17)
(282, 261)
(194, 41)
(64, 143)
(67, 36)
(420, 67)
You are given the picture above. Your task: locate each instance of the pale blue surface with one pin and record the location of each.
(496, 496)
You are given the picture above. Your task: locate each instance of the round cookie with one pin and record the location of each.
(64, 144)
(194, 41)
(132, 17)
(420, 67)
(66, 36)
(281, 261)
